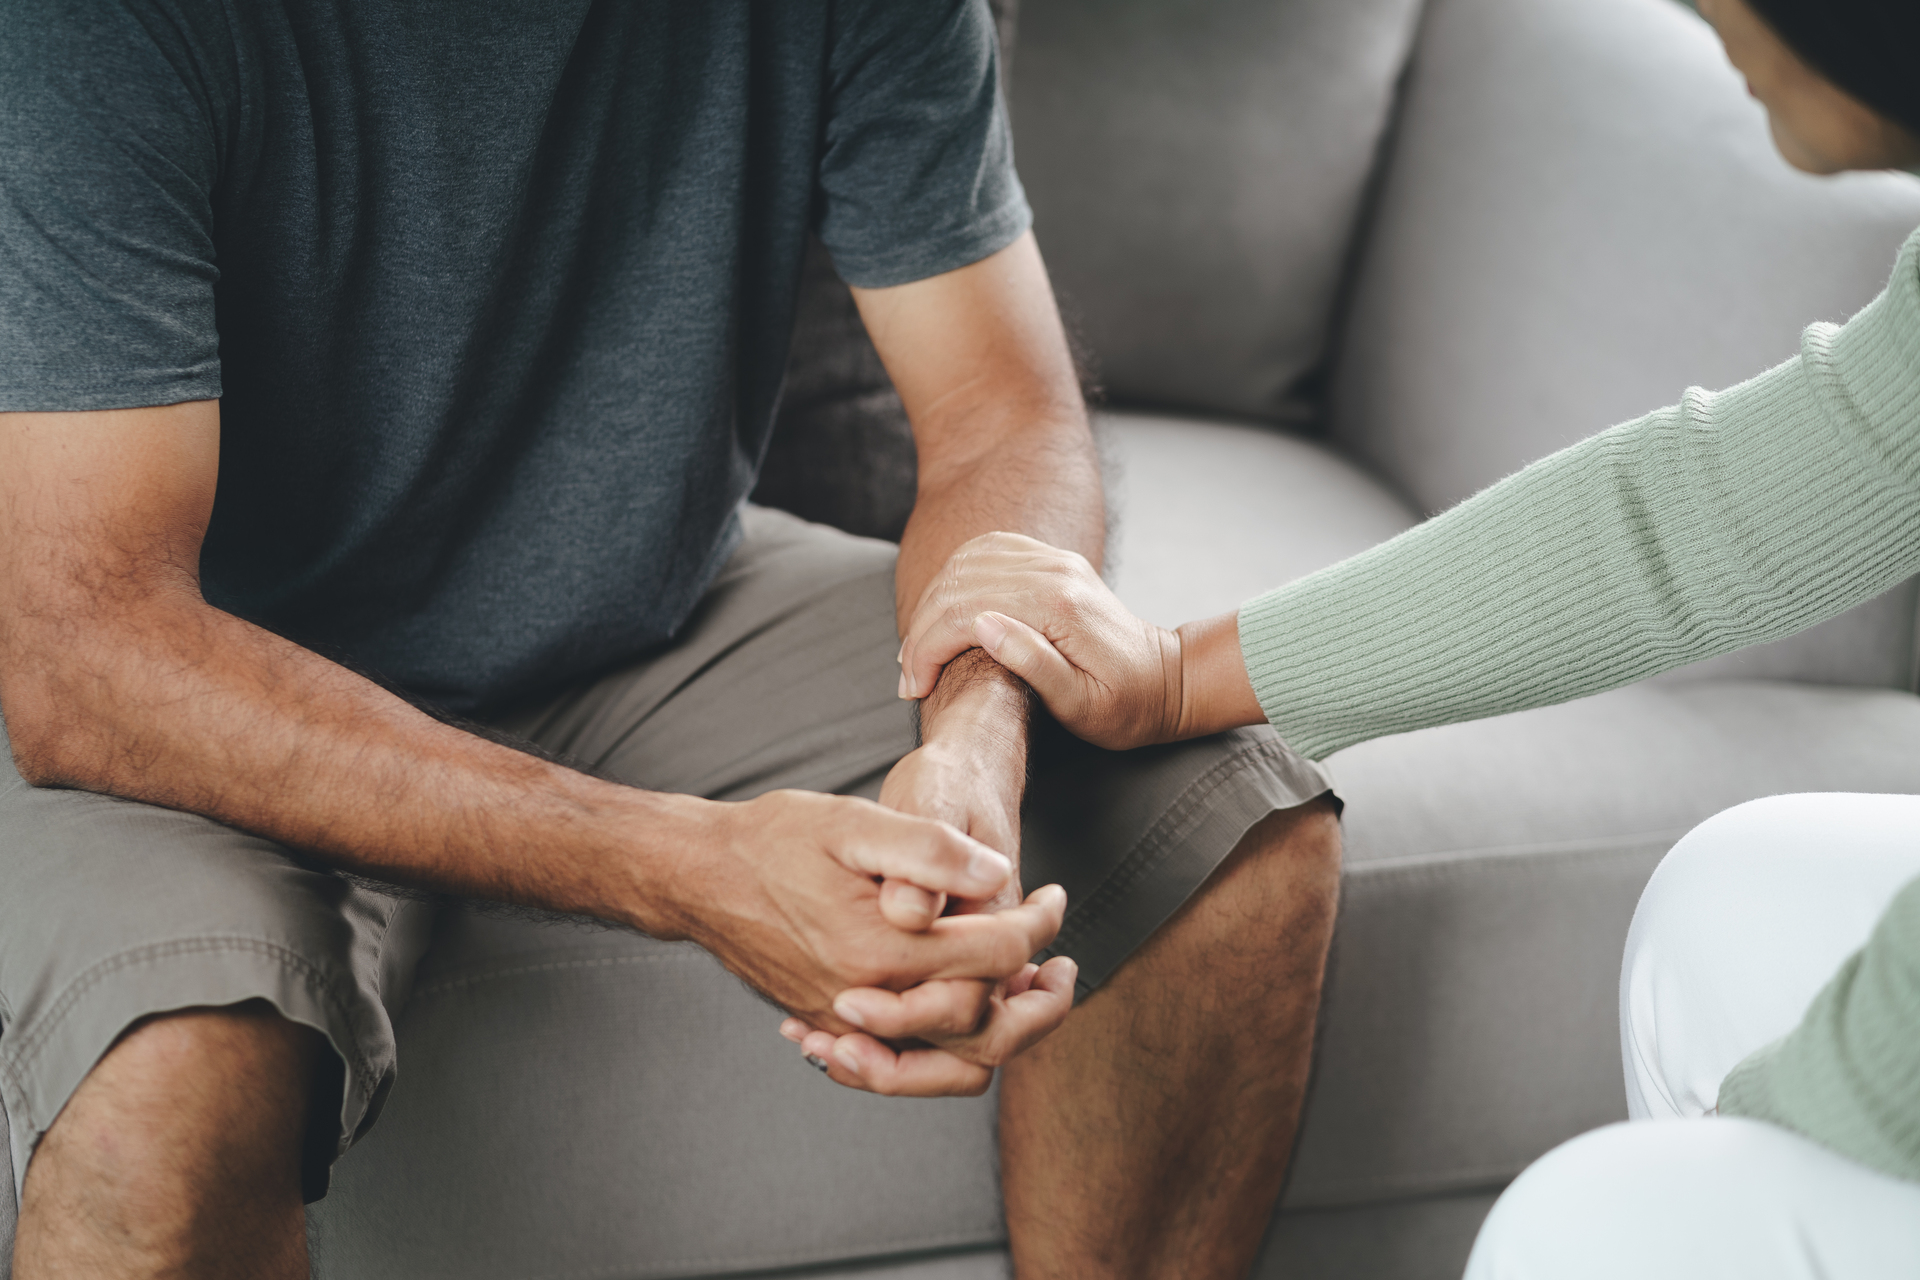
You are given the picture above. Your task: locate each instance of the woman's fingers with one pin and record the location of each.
(1031, 656)
(942, 630)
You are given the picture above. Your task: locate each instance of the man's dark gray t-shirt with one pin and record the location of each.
(495, 297)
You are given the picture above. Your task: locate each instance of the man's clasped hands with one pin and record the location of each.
(945, 990)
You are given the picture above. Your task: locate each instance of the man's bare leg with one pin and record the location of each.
(178, 1156)
(1149, 1136)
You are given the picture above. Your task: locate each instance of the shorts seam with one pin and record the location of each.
(1153, 846)
(14, 1065)
(763, 1260)
(441, 987)
(1434, 869)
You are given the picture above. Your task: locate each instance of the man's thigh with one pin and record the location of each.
(113, 911)
(786, 677)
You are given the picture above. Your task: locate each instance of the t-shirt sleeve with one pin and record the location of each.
(109, 155)
(916, 177)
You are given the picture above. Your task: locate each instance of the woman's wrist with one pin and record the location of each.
(1216, 694)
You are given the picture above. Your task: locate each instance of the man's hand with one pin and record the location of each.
(118, 677)
(947, 1036)
(970, 772)
(970, 769)
(980, 360)
(971, 1038)
(790, 900)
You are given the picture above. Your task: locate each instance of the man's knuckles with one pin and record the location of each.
(944, 1009)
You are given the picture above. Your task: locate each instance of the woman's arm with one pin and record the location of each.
(1732, 518)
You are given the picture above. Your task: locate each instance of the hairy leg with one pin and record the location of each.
(178, 1156)
(1149, 1136)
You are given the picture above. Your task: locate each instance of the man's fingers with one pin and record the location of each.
(1020, 1022)
(1031, 656)
(908, 906)
(861, 1062)
(932, 855)
(993, 945)
(930, 1010)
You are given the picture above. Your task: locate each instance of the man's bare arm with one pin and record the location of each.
(116, 676)
(981, 363)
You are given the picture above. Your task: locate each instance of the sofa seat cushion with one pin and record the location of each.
(577, 1101)
(1207, 514)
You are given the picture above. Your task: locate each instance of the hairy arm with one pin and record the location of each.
(981, 363)
(116, 676)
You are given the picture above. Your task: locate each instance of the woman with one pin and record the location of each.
(1732, 518)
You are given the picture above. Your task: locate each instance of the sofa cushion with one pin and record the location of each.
(1195, 170)
(1205, 515)
(9, 1210)
(577, 1101)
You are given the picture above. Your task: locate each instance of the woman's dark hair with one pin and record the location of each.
(1867, 47)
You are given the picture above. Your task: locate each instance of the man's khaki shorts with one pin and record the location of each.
(111, 911)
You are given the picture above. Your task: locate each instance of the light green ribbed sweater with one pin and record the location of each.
(1734, 517)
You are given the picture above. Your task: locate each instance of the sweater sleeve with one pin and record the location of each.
(1849, 1075)
(1729, 519)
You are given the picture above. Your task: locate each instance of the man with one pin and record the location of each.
(440, 344)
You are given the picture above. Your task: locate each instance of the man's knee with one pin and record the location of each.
(184, 1093)
(1280, 886)
(1296, 852)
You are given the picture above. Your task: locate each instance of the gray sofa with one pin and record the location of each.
(1339, 263)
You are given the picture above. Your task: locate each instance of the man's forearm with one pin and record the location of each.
(175, 703)
(1047, 486)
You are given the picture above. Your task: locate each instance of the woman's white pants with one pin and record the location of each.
(1744, 921)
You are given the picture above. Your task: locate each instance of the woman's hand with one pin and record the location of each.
(1045, 615)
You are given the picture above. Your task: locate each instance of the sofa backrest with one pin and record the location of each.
(1580, 215)
(1196, 168)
